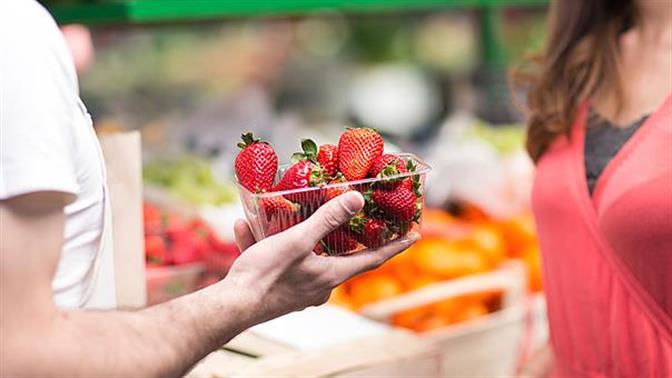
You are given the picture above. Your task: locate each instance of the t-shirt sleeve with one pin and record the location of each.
(38, 92)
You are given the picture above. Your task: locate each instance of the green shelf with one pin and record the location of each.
(137, 12)
(161, 11)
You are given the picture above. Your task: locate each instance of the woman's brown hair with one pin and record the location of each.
(580, 58)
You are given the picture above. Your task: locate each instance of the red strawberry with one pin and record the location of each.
(331, 192)
(155, 250)
(339, 241)
(387, 165)
(256, 165)
(399, 204)
(274, 207)
(371, 232)
(280, 214)
(303, 174)
(319, 249)
(327, 157)
(357, 151)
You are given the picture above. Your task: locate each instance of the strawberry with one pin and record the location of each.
(274, 207)
(280, 214)
(339, 242)
(256, 165)
(371, 232)
(357, 151)
(399, 204)
(332, 192)
(326, 156)
(303, 174)
(155, 250)
(388, 165)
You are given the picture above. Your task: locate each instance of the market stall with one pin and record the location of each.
(429, 75)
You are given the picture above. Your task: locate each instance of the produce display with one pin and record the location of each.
(182, 255)
(190, 179)
(451, 247)
(276, 198)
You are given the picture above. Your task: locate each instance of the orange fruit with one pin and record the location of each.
(519, 233)
(532, 259)
(431, 323)
(448, 259)
(446, 307)
(472, 213)
(374, 288)
(489, 240)
(420, 281)
(410, 318)
(340, 297)
(469, 311)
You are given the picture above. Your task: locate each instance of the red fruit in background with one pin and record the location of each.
(339, 241)
(152, 219)
(221, 256)
(357, 151)
(187, 248)
(327, 158)
(399, 204)
(371, 232)
(155, 250)
(303, 174)
(256, 165)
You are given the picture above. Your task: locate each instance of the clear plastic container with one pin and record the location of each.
(387, 202)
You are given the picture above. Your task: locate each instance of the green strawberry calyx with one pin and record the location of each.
(248, 140)
(410, 165)
(389, 170)
(310, 151)
(358, 222)
(418, 211)
(316, 176)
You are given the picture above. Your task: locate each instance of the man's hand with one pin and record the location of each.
(281, 274)
(275, 276)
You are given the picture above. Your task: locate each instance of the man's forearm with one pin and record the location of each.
(164, 340)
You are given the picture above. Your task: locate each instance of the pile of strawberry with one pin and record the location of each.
(393, 203)
(173, 240)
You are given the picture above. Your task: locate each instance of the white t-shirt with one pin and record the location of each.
(47, 143)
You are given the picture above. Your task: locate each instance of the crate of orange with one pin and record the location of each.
(453, 253)
(463, 287)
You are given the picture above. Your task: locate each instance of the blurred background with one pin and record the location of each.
(430, 75)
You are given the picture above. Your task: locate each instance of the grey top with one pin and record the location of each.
(603, 141)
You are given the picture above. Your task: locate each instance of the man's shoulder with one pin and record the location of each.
(23, 16)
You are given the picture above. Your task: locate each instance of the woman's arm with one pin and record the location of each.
(275, 276)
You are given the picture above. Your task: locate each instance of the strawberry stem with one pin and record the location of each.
(248, 140)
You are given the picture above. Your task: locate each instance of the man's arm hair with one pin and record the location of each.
(38, 339)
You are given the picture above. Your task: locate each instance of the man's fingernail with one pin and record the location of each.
(352, 201)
